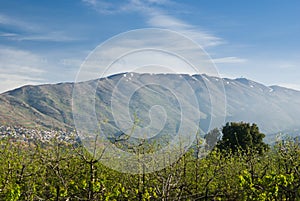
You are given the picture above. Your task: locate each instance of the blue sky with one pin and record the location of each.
(46, 41)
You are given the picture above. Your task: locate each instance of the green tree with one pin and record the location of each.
(242, 136)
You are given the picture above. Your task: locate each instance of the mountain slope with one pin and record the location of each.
(273, 108)
(38, 106)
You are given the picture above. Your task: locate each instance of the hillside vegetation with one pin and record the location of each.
(53, 168)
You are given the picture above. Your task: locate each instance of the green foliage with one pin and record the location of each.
(242, 136)
(55, 170)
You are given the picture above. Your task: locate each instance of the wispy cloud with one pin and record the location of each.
(8, 21)
(155, 16)
(290, 86)
(15, 81)
(7, 34)
(20, 24)
(229, 60)
(57, 36)
(107, 7)
(19, 67)
(27, 31)
(101, 6)
(203, 38)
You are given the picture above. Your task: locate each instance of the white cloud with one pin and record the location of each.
(91, 2)
(19, 67)
(14, 81)
(156, 17)
(6, 34)
(201, 37)
(231, 60)
(161, 20)
(103, 7)
(51, 36)
(36, 33)
(7, 20)
(71, 62)
(290, 85)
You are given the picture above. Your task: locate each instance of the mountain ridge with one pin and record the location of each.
(273, 108)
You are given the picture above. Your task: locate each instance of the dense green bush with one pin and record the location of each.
(243, 137)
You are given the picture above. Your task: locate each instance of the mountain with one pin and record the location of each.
(273, 109)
